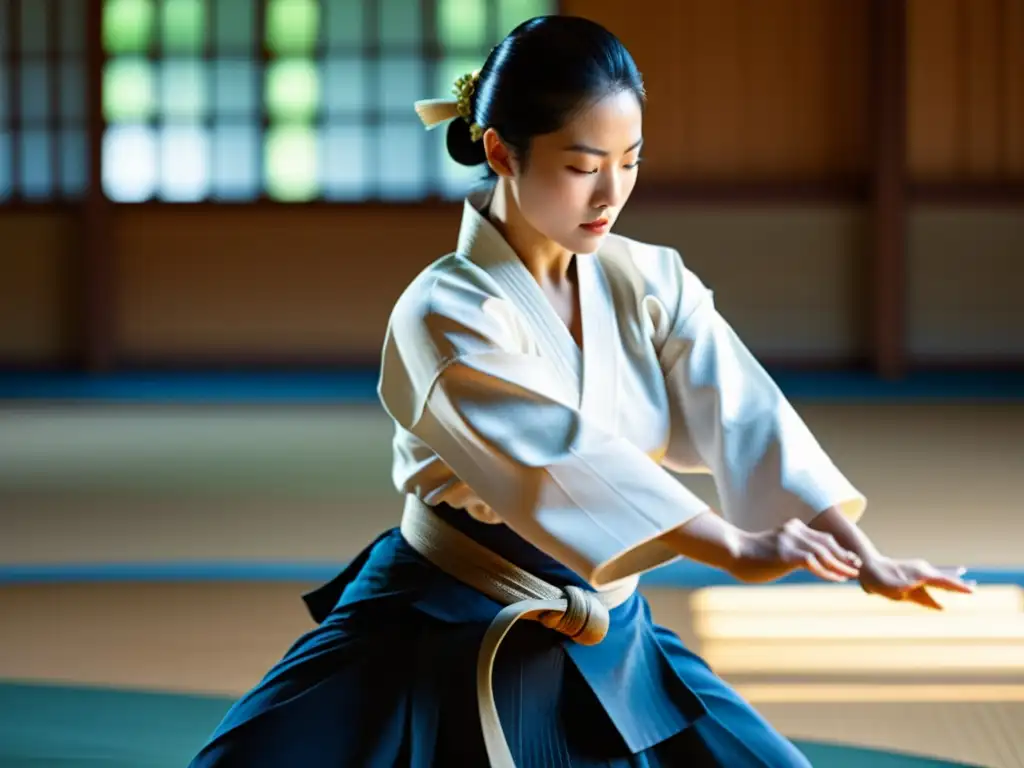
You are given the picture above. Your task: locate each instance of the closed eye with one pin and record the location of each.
(581, 172)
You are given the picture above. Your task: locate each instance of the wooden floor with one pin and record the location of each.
(285, 485)
(219, 639)
(123, 483)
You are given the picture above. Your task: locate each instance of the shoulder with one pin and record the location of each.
(452, 306)
(653, 271)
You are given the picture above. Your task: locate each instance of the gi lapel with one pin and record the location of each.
(483, 245)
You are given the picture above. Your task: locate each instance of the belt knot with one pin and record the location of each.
(585, 618)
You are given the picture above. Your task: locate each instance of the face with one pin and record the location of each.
(578, 179)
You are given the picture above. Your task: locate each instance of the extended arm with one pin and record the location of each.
(772, 475)
(889, 577)
(764, 555)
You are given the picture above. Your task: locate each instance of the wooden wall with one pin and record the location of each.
(966, 89)
(760, 164)
(37, 285)
(748, 90)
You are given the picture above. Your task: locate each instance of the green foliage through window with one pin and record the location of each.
(199, 106)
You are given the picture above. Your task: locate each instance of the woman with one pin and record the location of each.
(541, 379)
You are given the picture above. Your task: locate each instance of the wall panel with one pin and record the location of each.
(36, 299)
(277, 283)
(966, 89)
(966, 273)
(749, 90)
(320, 283)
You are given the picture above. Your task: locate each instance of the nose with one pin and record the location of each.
(609, 190)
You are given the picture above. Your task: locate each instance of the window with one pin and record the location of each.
(43, 146)
(292, 100)
(169, 136)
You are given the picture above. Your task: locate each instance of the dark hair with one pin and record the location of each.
(546, 70)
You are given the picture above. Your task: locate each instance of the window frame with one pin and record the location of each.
(55, 124)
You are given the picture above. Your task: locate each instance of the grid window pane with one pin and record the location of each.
(401, 161)
(5, 165)
(35, 164)
(344, 24)
(72, 27)
(128, 91)
(235, 26)
(35, 92)
(72, 91)
(290, 163)
(292, 90)
(292, 26)
(33, 27)
(319, 101)
(344, 168)
(237, 84)
(184, 164)
(235, 162)
(512, 13)
(183, 90)
(130, 163)
(344, 84)
(183, 26)
(401, 81)
(127, 26)
(462, 24)
(401, 24)
(73, 174)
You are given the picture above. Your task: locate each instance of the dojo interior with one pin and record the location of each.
(208, 208)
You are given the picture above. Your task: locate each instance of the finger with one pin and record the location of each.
(921, 597)
(949, 578)
(835, 547)
(889, 591)
(826, 557)
(812, 564)
(951, 584)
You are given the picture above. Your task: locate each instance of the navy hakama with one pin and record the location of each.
(387, 678)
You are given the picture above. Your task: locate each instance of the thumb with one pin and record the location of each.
(921, 596)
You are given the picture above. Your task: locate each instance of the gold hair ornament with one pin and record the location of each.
(434, 112)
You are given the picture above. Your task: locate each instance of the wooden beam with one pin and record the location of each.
(13, 61)
(97, 284)
(889, 188)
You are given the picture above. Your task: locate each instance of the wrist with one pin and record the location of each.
(832, 521)
(748, 556)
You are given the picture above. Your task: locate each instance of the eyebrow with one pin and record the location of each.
(599, 152)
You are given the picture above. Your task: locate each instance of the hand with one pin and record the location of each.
(908, 579)
(769, 555)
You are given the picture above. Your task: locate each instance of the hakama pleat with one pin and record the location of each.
(387, 678)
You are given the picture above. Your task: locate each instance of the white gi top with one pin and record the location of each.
(498, 411)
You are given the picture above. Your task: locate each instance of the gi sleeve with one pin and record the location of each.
(507, 427)
(729, 417)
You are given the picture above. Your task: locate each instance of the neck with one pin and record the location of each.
(545, 259)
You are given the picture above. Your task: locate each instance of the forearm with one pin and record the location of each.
(847, 533)
(709, 539)
(771, 554)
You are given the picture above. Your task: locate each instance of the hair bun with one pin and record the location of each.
(461, 147)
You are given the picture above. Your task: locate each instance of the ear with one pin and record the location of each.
(499, 158)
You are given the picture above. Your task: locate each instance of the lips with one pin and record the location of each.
(596, 226)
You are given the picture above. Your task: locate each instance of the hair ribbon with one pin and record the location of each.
(434, 112)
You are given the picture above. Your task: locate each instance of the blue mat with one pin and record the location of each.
(65, 727)
(359, 386)
(681, 574)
